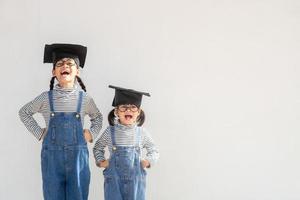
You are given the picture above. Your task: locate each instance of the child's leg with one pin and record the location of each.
(133, 189)
(53, 175)
(140, 188)
(78, 174)
(112, 189)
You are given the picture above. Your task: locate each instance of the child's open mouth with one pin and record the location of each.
(128, 117)
(65, 73)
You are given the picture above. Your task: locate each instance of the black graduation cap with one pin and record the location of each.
(57, 51)
(127, 96)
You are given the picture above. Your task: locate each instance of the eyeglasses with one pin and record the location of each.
(68, 62)
(132, 108)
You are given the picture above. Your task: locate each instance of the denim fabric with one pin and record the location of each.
(125, 179)
(65, 157)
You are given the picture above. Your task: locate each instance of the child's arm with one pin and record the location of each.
(87, 135)
(152, 152)
(98, 149)
(95, 118)
(26, 115)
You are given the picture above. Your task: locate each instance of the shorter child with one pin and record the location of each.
(124, 172)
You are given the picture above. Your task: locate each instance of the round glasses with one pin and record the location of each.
(132, 108)
(68, 62)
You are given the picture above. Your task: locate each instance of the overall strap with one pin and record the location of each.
(50, 96)
(112, 133)
(79, 102)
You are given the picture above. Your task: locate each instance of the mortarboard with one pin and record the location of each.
(127, 96)
(57, 51)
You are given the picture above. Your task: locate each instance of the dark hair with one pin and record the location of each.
(52, 82)
(81, 83)
(78, 79)
(140, 119)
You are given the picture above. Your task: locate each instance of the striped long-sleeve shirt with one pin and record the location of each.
(125, 136)
(64, 100)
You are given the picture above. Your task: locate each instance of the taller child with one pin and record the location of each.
(64, 156)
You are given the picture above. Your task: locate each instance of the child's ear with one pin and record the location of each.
(53, 72)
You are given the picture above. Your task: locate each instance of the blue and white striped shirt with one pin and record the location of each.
(126, 136)
(64, 100)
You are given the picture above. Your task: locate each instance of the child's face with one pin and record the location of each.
(127, 114)
(65, 71)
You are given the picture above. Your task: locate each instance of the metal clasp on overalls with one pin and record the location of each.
(137, 148)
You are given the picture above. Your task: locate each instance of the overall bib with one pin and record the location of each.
(125, 179)
(65, 167)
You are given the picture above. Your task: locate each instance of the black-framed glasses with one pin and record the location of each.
(132, 108)
(68, 62)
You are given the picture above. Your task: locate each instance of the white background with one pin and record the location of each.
(224, 80)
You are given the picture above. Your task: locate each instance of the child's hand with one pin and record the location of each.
(145, 163)
(87, 135)
(103, 163)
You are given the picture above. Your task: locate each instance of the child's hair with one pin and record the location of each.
(81, 83)
(78, 79)
(140, 119)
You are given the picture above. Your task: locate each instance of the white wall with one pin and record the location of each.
(224, 79)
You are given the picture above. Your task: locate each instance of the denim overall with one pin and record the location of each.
(65, 168)
(125, 179)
